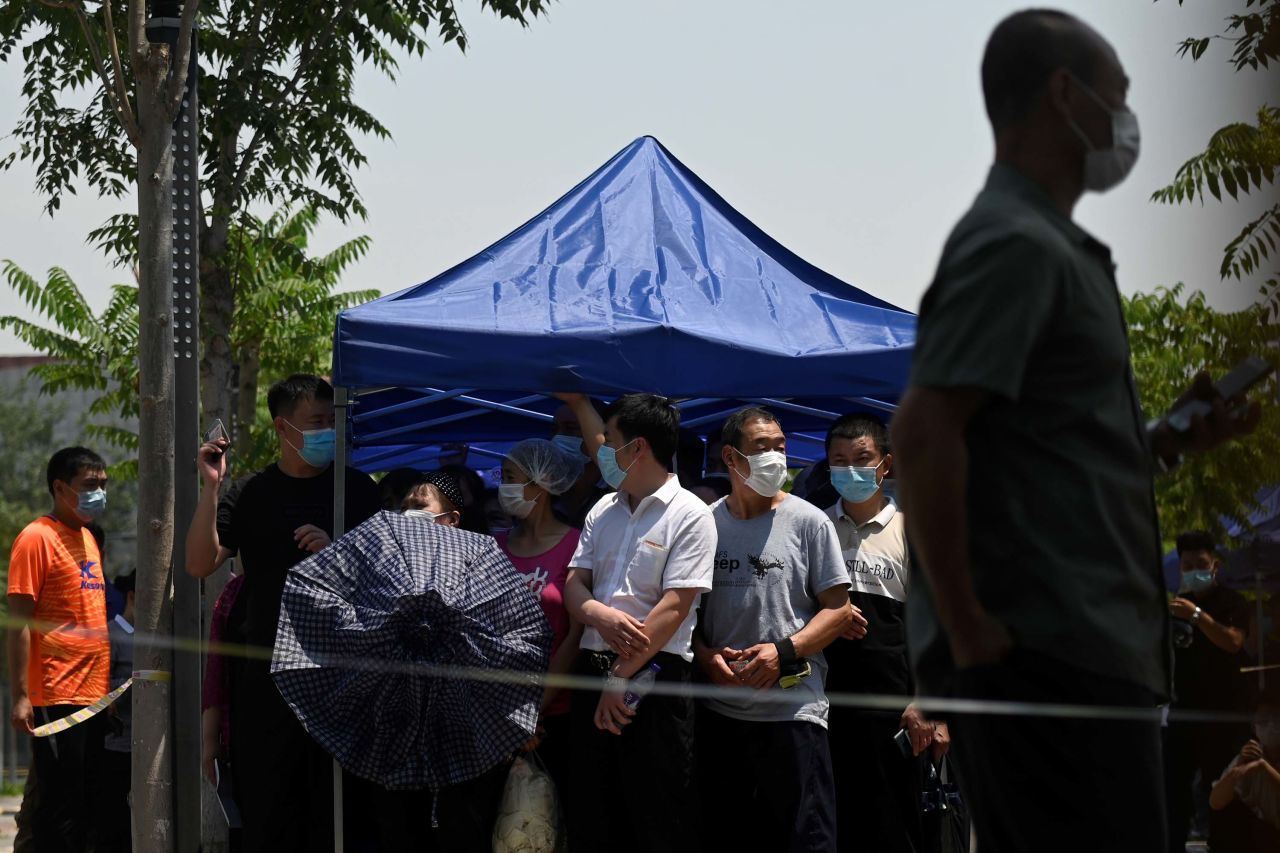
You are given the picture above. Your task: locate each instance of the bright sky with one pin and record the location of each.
(852, 132)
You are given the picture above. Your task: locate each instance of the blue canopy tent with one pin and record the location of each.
(640, 278)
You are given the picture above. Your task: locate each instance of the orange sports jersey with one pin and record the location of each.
(62, 570)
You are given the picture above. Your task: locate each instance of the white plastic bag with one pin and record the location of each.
(529, 817)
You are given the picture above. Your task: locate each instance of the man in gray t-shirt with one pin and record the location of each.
(779, 595)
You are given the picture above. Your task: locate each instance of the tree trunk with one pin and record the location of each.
(152, 789)
(246, 397)
(217, 310)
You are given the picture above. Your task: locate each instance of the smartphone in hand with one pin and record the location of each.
(1230, 388)
(217, 432)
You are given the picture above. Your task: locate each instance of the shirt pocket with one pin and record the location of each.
(644, 572)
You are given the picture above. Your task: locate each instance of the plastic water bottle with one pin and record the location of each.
(640, 686)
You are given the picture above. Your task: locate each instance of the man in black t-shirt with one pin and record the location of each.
(272, 521)
(1209, 628)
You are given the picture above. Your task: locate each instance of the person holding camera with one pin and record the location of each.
(779, 596)
(1209, 623)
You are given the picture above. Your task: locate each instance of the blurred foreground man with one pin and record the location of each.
(1026, 468)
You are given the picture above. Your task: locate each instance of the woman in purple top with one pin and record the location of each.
(540, 546)
(215, 697)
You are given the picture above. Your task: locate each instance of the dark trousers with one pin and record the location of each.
(877, 788)
(765, 786)
(283, 779)
(68, 769)
(1190, 747)
(634, 792)
(1038, 783)
(114, 823)
(464, 816)
(556, 755)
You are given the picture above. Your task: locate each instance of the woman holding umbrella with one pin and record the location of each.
(540, 547)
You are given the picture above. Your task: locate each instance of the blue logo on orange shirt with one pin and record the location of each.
(87, 577)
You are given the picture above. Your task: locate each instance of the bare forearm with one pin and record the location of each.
(822, 630)
(934, 483)
(590, 423)
(19, 659)
(578, 598)
(202, 546)
(1273, 775)
(1228, 639)
(562, 661)
(211, 726)
(1224, 791)
(659, 627)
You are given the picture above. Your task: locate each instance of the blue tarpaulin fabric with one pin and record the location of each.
(1258, 551)
(641, 278)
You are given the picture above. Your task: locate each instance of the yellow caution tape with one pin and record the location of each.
(85, 713)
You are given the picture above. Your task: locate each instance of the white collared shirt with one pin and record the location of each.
(875, 552)
(668, 542)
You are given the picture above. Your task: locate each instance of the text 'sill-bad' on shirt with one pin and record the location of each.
(879, 564)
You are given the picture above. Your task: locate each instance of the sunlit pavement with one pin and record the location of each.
(8, 829)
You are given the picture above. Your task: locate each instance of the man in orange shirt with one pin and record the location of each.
(60, 656)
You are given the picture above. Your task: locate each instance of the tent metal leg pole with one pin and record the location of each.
(339, 527)
(1262, 639)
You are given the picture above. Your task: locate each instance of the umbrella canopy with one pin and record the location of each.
(373, 633)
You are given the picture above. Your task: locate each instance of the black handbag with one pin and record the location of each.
(944, 815)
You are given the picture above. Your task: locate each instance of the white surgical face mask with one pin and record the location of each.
(424, 514)
(514, 504)
(1105, 168)
(768, 471)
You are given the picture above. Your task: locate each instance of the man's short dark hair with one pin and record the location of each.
(1023, 50)
(731, 433)
(1196, 540)
(861, 425)
(652, 418)
(395, 484)
(69, 461)
(285, 395)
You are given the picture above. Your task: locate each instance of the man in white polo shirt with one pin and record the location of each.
(877, 786)
(643, 562)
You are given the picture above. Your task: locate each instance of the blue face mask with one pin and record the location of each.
(856, 484)
(607, 459)
(92, 505)
(317, 446)
(570, 444)
(1196, 581)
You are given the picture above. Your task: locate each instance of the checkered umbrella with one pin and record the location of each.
(378, 635)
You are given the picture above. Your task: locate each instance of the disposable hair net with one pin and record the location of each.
(546, 464)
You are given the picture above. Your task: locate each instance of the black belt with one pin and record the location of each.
(602, 662)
